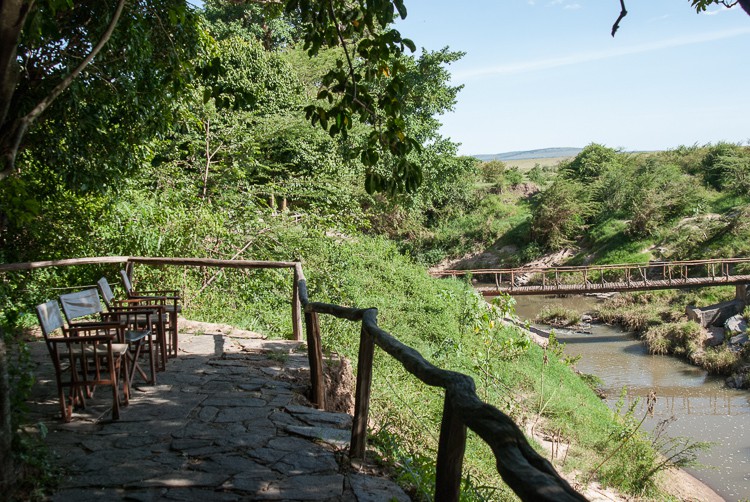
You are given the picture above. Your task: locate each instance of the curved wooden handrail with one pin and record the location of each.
(528, 474)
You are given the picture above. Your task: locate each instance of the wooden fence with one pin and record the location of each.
(528, 474)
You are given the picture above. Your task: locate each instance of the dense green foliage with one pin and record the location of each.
(92, 133)
(616, 204)
(205, 150)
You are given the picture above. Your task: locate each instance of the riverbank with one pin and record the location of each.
(674, 482)
(696, 404)
(659, 318)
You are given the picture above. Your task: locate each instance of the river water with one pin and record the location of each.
(702, 407)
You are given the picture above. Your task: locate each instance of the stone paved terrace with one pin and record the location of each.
(225, 422)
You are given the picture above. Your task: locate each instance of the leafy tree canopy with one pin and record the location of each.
(702, 5)
(591, 162)
(96, 107)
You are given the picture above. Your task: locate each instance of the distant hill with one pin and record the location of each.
(543, 153)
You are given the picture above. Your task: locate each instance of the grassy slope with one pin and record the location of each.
(445, 321)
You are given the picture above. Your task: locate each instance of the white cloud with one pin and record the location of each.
(572, 6)
(585, 57)
(659, 18)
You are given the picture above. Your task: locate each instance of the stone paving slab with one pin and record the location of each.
(226, 421)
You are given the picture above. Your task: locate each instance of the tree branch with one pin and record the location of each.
(350, 64)
(332, 12)
(623, 13)
(18, 131)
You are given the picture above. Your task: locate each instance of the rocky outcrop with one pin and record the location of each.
(714, 337)
(713, 315)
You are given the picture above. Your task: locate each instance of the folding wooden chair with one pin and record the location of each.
(83, 357)
(135, 331)
(156, 303)
(172, 307)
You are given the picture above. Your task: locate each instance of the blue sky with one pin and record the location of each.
(547, 73)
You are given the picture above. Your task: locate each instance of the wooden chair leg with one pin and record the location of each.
(163, 349)
(134, 366)
(65, 411)
(122, 373)
(115, 398)
(152, 362)
(152, 357)
(173, 332)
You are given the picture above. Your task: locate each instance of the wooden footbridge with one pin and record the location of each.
(607, 278)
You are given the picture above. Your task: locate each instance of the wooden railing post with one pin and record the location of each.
(362, 395)
(296, 308)
(315, 357)
(450, 457)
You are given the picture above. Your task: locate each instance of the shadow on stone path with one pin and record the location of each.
(226, 421)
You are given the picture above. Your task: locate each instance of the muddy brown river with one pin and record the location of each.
(702, 407)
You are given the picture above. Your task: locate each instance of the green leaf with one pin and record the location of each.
(401, 8)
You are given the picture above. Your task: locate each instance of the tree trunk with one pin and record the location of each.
(12, 17)
(7, 471)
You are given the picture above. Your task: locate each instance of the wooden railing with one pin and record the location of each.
(528, 474)
(129, 261)
(608, 278)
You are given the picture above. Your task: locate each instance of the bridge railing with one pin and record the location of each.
(662, 273)
(528, 474)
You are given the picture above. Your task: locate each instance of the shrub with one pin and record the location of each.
(492, 171)
(591, 162)
(714, 163)
(682, 339)
(561, 215)
(719, 360)
(735, 172)
(536, 175)
(660, 192)
(657, 342)
(557, 315)
(513, 177)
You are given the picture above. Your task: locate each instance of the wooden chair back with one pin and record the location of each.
(50, 319)
(126, 282)
(81, 304)
(107, 295)
(169, 298)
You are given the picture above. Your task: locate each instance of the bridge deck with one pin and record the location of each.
(608, 287)
(608, 278)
